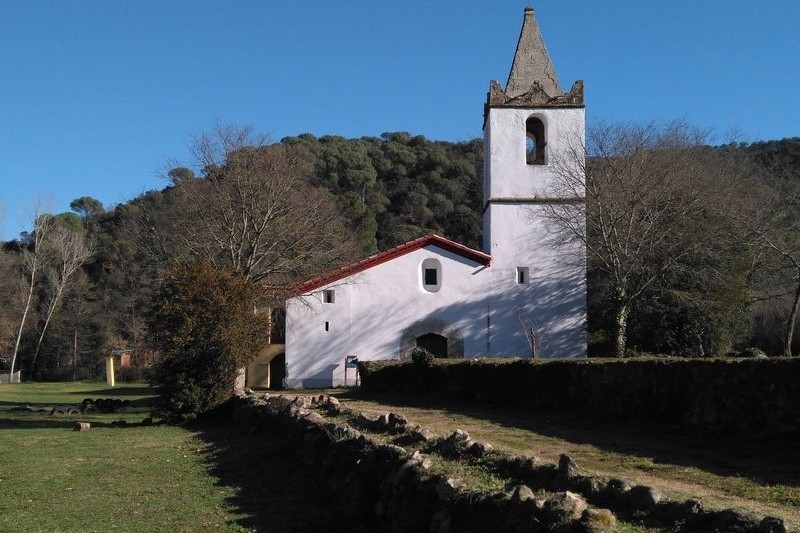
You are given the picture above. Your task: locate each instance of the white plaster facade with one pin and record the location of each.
(524, 289)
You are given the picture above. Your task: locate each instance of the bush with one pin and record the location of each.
(422, 357)
(204, 328)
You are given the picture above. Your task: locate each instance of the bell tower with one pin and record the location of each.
(533, 136)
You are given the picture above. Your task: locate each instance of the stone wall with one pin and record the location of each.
(725, 395)
(384, 471)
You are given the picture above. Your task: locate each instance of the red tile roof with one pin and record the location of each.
(391, 253)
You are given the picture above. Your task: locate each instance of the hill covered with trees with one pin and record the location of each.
(723, 276)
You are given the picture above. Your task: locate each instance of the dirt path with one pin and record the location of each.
(749, 473)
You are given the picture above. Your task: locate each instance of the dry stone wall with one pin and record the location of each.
(383, 468)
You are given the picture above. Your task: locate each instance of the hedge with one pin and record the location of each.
(738, 395)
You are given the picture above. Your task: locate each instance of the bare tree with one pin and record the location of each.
(650, 192)
(770, 214)
(255, 212)
(33, 259)
(66, 249)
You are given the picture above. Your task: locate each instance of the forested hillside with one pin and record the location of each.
(80, 284)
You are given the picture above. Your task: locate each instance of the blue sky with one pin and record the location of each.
(95, 96)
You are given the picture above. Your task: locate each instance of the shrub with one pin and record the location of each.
(422, 357)
(204, 328)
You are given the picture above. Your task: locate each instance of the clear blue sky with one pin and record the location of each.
(96, 95)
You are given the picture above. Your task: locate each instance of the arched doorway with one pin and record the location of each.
(435, 335)
(433, 343)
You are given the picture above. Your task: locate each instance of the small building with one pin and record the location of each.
(523, 294)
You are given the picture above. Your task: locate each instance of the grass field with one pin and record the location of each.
(146, 478)
(165, 479)
(137, 478)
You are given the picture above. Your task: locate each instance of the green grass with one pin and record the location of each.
(68, 393)
(132, 479)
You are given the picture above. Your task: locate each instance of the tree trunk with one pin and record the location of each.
(621, 332)
(50, 310)
(22, 322)
(787, 341)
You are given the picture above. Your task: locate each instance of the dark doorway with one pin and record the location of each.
(277, 371)
(435, 344)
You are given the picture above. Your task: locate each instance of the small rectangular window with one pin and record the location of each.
(329, 296)
(523, 275)
(431, 277)
(327, 326)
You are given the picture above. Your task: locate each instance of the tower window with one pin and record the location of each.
(534, 141)
(431, 274)
(523, 275)
(329, 296)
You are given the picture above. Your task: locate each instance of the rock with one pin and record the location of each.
(363, 421)
(479, 449)
(522, 493)
(381, 423)
(598, 521)
(313, 417)
(405, 471)
(397, 423)
(567, 470)
(447, 489)
(680, 511)
(82, 426)
(393, 451)
(564, 507)
(455, 444)
(423, 461)
(643, 498)
(770, 524)
(614, 495)
(590, 486)
(417, 434)
(735, 521)
(332, 405)
(300, 402)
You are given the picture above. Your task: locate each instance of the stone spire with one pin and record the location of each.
(532, 62)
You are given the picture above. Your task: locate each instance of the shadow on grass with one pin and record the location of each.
(275, 491)
(113, 392)
(766, 461)
(59, 421)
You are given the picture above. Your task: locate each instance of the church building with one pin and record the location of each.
(522, 295)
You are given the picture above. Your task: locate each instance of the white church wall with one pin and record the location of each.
(552, 299)
(374, 309)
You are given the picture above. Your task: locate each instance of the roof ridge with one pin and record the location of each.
(389, 254)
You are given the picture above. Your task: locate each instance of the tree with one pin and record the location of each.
(87, 207)
(204, 326)
(254, 211)
(33, 260)
(656, 200)
(770, 212)
(66, 250)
